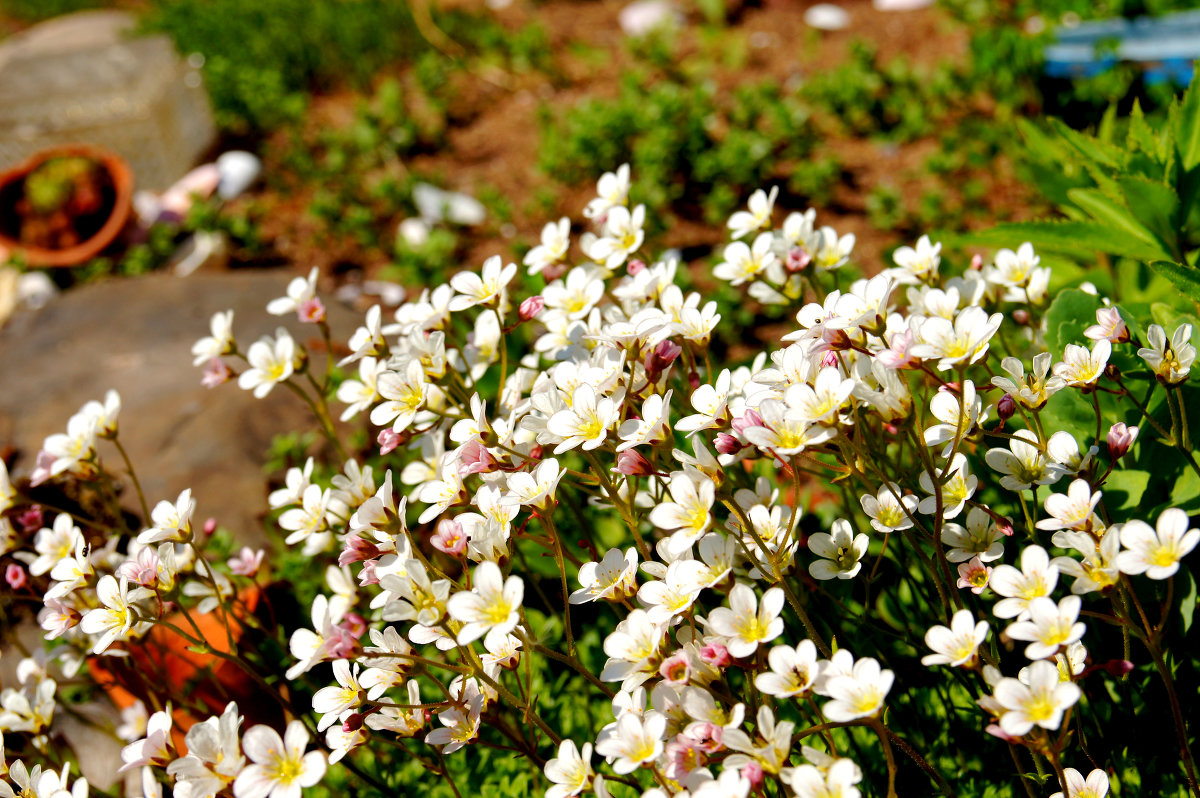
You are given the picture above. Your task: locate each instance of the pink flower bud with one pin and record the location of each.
(554, 270)
(727, 444)
(828, 359)
(1118, 667)
(367, 575)
(474, 458)
(531, 307)
(15, 576)
(693, 381)
(341, 643)
(388, 440)
(31, 519)
(1120, 438)
(1005, 526)
(1020, 316)
(536, 453)
(976, 262)
(1006, 407)
(715, 654)
(356, 549)
(311, 311)
(753, 772)
(216, 372)
(354, 623)
(749, 419)
(449, 538)
(797, 259)
(631, 463)
(354, 722)
(658, 359)
(634, 266)
(210, 526)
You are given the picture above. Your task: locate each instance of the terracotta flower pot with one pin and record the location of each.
(11, 189)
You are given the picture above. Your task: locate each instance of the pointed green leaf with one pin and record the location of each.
(1156, 206)
(1185, 123)
(1109, 213)
(1140, 136)
(1186, 278)
(1089, 147)
(1080, 239)
(1071, 312)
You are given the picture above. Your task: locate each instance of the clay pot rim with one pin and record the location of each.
(122, 177)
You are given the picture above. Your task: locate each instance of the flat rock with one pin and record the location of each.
(135, 335)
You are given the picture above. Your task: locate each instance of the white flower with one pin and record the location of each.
(692, 497)
(981, 538)
(155, 749)
(1171, 361)
(858, 694)
(556, 238)
(299, 291)
(634, 741)
(361, 393)
(711, 405)
(841, 552)
(959, 415)
(492, 604)
(1032, 390)
(959, 486)
(461, 725)
(219, 343)
(405, 392)
(612, 579)
(1081, 368)
(1073, 510)
(623, 235)
(114, 620)
(958, 644)
(835, 781)
(587, 421)
(1049, 626)
(1023, 464)
(744, 263)
(171, 522)
(793, 670)
(888, 513)
(758, 216)
(570, 771)
(214, 756)
(335, 703)
(1036, 578)
(916, 265)
(1041, 702)
(746, 623)
(272, 361)
(280, 767)
(1094, 786)
(1156, 552)
(486, 288)
(958, 344)
(612, 190)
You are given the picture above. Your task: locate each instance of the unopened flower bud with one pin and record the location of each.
(474, 458)
(31, 520)
(388, 440)
(693, 380)
(1020, 316)
(634, 266)
(727, 444)
(354, 623)
(354, 722)
(530, 307)
(715, 654)
(632, 463)
(356, 549)
(797, 259)
(749, 419)
(676, 669)
(658, 359)
(537, 453)
(976, 262)
(753, 772)
(15, 576)
(210, 526)
(1120, 438)
(1006, 407)
(1118, 667)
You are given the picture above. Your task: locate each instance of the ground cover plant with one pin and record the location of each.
(936, 539)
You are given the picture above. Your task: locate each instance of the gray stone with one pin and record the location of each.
(135, 335)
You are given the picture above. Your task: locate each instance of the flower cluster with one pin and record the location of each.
(550, 464)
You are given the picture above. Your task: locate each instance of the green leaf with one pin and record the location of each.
(1185, 278)
(1155, 205)
(1187, 607)
(1141, 136)
(1185, 123)
(1187, 490)
(1089, 147)
(1128, 482)
(1080, 239)
(1071, 312)
(1108, 213)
